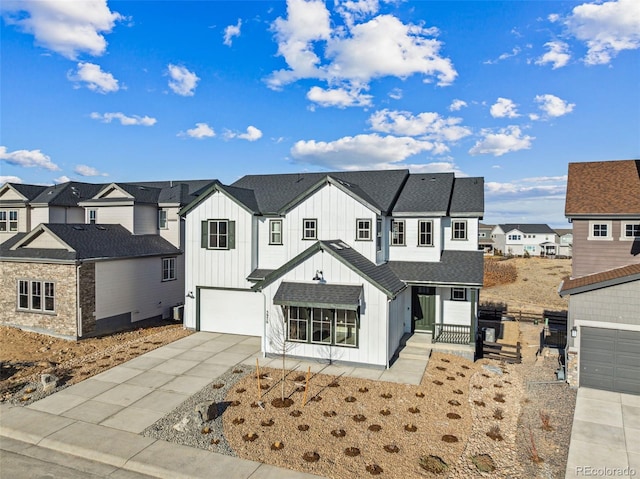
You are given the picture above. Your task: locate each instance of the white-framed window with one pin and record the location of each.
(425, 233)
(8, 220)
(298, 323)
(363, 230)
(459, 230)
(218, 234)
(630, 230)
(36, 296)
(275, 232)
(378, 234)
(309, 229)
(600, 230)
(162, 220)
(168, 269)
(530, 248)
(92, 216)
(346, 330)
(397, 233)
(514, 237)
(458, 294)
(321, 320)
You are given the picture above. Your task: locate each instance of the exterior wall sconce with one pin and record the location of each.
(190, 295)
(318, 276)
(574, 332)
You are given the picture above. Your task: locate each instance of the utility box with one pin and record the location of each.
(489, 335)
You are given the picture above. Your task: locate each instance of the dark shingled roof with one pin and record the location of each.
(454, 267)
(467, 197)
(259, 274)
(28, 191)
(274, 192)
(528, 228)
(425, 193)
(603, 188)
(92, 241)
(600, 280)
(67, 194)
(310, 294)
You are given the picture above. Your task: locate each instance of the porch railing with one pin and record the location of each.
(452, 334)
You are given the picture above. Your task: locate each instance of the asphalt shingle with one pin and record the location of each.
(336, 295)
(454, 267)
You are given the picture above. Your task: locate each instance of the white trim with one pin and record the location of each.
(623, 227)
(608, 224)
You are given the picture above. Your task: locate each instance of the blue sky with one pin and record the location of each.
(147, 90)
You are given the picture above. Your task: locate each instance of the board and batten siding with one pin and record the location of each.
(216, 268)
(410, 251)
(456, 312)
(399, 319)
(145, 219)
(594, 256)
(373, 333)
(336, 213)
(135, 286)
(470, 244)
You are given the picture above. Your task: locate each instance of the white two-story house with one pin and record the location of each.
(521, 239)
(339, 265)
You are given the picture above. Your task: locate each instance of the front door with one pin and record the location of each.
(423, 309)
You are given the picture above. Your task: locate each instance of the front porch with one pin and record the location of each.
(419, 345)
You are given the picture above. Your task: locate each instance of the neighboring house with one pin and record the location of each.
(347, 262)
(518, 239)
(485, 242)
(137, 265)
(603, 203)
(565, 242)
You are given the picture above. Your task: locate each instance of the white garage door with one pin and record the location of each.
(231, 311)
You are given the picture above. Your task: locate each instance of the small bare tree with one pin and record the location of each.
(277, 336)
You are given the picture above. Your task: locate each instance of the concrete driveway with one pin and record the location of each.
(605, 438)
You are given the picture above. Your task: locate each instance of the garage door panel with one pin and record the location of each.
(610, 359)
(231, 311)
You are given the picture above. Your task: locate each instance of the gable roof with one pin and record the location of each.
(600, 280)
(603, 188)
(87, 241)
(28, 191)
(428, 193)
(528, 228)
(380, 276)
(467, 198)
(454, 267)
(66, 194)
(273, 193)
(339, 296)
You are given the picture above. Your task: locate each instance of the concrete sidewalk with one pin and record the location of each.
(101, 418)
(605, 438)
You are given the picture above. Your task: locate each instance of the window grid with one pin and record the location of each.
(425, 233)
(321, 325)
(218, 234)
(309, 229)
(397, 233)
(363, 230)
(8, 220)
(168, 269)
(459, 230)
(600, 230)
(632, 230)
(162, 219)
(93, 216)
(458, 294)
(378, 234)
(298, 321)
(275, 232)
(37, 296)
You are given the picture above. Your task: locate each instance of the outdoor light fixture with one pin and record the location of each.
(574, 332)
(318, 276)
(190, 295)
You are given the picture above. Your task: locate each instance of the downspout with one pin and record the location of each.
(264, 325)
(78, 307)
(388, 326)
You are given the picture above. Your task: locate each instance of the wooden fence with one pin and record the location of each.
(509, 353)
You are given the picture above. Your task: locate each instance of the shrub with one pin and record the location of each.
(499, 272)
(484, 463)
(433, 464)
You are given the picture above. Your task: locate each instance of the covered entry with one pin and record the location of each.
(231, 311)
(423, 308)
(610, 359)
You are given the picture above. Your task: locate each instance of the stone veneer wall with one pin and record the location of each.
(88, 297)
(61, 323)
(572, 368)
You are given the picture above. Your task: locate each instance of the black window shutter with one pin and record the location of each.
(204, 241)
(232, 235)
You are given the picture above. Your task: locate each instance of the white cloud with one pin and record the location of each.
(183, 82)
(28, 159)
(395, 94)
(553, 106)
(504, 108)
(436, 167)
(84, 170)
(252, 134)
(201, 130)
(427, 125)
(557, 55)
(515, 52)
(10, 179)
(507, 140)
(607, 28)
(356, 53)
(358, 152)
(66, 27)
(61, 179)
(339, 97)
(232, 31)
(124, 119)
(95, 79)
(457, 105)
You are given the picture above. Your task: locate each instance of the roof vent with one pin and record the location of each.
(335, 246)
(78, 228)
(344, 245)
(101, 228)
